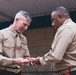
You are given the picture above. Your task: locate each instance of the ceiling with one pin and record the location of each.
(8, 8)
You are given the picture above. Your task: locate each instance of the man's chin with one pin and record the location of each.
(20, 32)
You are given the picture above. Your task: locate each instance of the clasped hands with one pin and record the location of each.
(28, 61)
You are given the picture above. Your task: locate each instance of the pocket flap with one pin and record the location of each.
(8, 44)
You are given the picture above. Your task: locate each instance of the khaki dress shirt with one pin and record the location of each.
(63, 52)
(11, 47)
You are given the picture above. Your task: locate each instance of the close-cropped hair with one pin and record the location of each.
(62, 10)
(23, 14)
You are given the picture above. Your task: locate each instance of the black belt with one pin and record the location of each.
(10, 69)
(66, 71)
(4, 72)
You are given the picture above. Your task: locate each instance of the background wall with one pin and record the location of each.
(39, 40)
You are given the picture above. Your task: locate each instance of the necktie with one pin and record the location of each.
(18, 42)
(18, 46)
(18, 49)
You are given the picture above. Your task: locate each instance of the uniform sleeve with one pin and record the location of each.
(60, 44)
(5, 61)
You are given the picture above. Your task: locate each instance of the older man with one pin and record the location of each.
(63, 52)
(13, 45)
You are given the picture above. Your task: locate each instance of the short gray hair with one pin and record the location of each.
(25, 14)
(62, 10)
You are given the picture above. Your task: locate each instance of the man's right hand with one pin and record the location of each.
(20, 61)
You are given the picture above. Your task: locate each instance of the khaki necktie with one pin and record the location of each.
(18, 46)
(18, 41)
(18, 49)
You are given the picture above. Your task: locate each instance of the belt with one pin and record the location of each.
(68, 70)
(15, 70)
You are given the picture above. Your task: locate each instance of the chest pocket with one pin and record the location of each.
(24, 46)
(8, 48)
(9, 44)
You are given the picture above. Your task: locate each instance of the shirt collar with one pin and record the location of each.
(67, 21)
(14, 33)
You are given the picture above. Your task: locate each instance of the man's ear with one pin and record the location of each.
(16, 19)
(60, 16)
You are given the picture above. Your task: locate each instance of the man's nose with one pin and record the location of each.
(52, 24)
(26, 27)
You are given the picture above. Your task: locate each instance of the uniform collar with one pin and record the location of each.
(67, 21)
(14, 33)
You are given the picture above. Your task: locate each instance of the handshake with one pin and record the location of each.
(28, 61)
